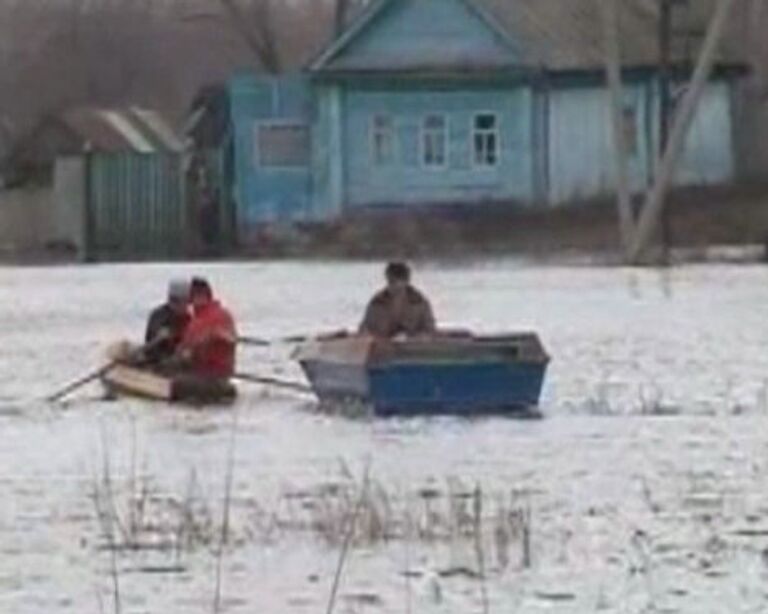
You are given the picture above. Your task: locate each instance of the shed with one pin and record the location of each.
(86, 129)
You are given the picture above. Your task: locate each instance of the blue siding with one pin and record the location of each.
(708, 157)
(556, 146)
(581, 147)
(407, 180)
(268, 194)
(328, 157)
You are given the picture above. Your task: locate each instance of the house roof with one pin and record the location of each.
(113, 130)
(567, 34)
(561, 35)
(507, 52)
(77, 130)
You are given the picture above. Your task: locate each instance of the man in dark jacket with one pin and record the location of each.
(398, 309)
(167, 324)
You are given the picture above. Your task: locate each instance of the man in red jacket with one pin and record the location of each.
(209, 341)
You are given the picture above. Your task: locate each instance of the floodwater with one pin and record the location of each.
(644, 489)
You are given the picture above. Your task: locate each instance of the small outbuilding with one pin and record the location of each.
(100, 184)
(83, 130)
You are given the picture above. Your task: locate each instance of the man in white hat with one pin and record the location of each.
(167, 324)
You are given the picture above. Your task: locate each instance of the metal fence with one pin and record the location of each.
(136, 206)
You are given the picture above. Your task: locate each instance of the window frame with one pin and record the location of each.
(373, 131)
(475, 132)
(280, 123)
(423, 131)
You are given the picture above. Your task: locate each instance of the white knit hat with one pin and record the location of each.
(178, 289)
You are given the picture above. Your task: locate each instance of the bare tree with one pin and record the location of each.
(655, 200)
(64, 53)
(611, 33)
(257, 28)
(340, 15)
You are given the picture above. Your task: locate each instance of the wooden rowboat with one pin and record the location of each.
(453, 374)
(125, 380)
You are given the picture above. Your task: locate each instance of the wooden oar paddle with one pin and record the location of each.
(255, 341)
(293, 339)
(82, 382)
(70, 388)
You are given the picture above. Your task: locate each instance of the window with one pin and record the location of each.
(434, 150)
(486, 140)
(282, 145)
(629, 127)
(382, 140)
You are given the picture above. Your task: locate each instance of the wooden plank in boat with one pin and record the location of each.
(138, 382)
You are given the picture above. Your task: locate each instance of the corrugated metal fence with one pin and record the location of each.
(136, 206)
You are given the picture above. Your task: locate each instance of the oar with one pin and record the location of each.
(271, 381)
(264, 343)
(82, 382)
(256, 341)
(101, 371)
(261, 342)
(336, 334)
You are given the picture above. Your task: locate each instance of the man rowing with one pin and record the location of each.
(207, 349)
(166, 325)
(190, 350)
(399, 309)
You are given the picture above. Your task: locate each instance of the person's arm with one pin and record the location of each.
(154, 325)
(158, 338)
(225, 333)
(225, 330)
(428, 324)
(368, 324)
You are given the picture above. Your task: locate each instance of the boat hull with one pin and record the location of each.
(464, 378)
(124, 380)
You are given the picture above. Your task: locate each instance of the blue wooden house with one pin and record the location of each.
(462, 101)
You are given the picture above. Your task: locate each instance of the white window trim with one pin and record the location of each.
(422, 140)
(279, 123)
(473, 132)
(372, 141)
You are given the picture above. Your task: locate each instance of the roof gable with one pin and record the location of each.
(406, 35)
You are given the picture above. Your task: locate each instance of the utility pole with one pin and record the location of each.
(611, 35)
(665, 69)
(665, 101)
(665, 171)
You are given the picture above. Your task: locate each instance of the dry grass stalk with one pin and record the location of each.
(224, 538)
(109, 523)
(479, 550)
(348, 537)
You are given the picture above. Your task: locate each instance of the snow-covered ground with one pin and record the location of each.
(645, 488)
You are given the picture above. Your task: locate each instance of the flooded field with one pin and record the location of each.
(644, 489)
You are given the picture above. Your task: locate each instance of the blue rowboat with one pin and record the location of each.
(446, 375)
